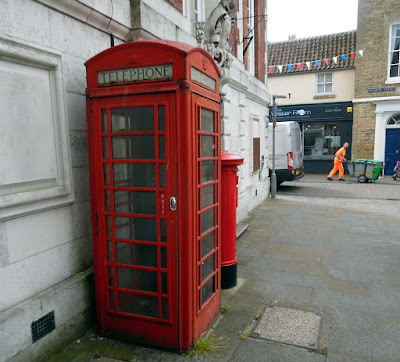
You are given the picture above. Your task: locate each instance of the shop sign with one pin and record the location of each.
(314, 112)
(380, 90)
(135, 74)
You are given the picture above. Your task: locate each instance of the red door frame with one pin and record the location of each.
(136, 328)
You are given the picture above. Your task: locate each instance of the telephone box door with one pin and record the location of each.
(134, 153)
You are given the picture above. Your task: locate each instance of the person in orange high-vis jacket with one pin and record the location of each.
(338, 163)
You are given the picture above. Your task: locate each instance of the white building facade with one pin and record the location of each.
(45, 231)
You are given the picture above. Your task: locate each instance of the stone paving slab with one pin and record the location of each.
(336, 255)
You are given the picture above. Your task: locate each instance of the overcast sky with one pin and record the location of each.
(309, 18)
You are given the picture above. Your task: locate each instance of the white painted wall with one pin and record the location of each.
(302, 87)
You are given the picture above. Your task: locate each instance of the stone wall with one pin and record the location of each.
(374, 22)
(45, 227)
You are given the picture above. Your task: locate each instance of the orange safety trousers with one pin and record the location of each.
(337, 166)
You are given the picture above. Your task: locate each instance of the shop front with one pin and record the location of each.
(324, 127)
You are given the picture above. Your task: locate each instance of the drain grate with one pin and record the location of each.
(289, 326)
(43, 326)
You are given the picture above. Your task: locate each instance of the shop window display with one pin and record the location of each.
(321, 140)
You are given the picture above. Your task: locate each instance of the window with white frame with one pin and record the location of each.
(199, 10)
(251, 33)
(324, 83)
(394, 52)
(394, 120)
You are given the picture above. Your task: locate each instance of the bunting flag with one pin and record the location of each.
(316, 62)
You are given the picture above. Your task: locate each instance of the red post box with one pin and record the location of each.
(228, 219)
(153, 113)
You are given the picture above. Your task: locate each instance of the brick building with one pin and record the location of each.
(317, 77)
(376, 130)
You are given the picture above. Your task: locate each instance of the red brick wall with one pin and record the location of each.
(259, 39)
(234, 35)
(177, 4)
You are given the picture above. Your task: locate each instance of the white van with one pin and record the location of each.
(288, 151)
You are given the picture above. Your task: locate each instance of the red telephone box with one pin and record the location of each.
(153, 113)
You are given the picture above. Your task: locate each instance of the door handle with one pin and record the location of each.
(172, 203)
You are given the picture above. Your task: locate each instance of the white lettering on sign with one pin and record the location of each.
(135, 74)
(204, 79)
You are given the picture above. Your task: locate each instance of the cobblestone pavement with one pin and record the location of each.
(317, 185)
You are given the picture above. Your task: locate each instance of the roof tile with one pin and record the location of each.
(311, 50)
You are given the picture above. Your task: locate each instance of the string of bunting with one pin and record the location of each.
(317, 62)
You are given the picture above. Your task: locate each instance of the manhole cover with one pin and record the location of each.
(290, 326)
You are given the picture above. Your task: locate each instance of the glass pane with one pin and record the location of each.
(133, 147)
(142, 305)
(164, 305)
(320, 88)
(163, 257)
(161, 147)
(134, 174)
(163, 227)
(207, 146)
(394, 71)
(135, 279)
(132, 119)
(207, 120)
(106, 167)
(207, 196)
(207, 244)
(320, 78)
(328, 77)
(107, 200)
(111, 299)
(108, 227)
(207, 220)
(135, 228)
(135, 202)
(164, 283)
(328, 88)
(207, 171)
(321, 140)
(104, 120)
(110, 257)
(110, 276)
(137, 254)
(161, 118)
(207, 291)
(162, 175)
(105, 148)
(207, 268)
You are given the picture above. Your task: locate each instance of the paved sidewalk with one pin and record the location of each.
(317, 185)
(338, 258)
